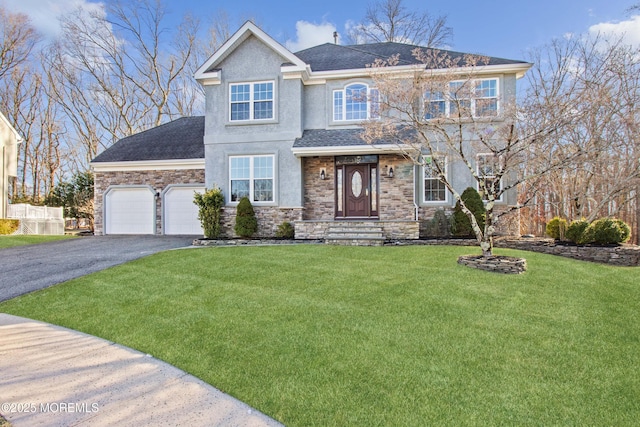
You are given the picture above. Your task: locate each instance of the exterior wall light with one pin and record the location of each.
(390, 171)
(323, 174)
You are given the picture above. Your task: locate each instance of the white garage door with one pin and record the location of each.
(180, 213)
(129, 211)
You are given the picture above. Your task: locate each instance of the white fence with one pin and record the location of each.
(37, 219)
(26, 211)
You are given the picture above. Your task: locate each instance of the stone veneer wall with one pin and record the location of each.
(319, 195)
(159, 180)
(269, 218)
(395, 194)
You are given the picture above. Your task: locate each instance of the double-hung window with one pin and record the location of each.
(488, 168)
(251, 101)
(252, 177)
(435, 104)
(356, 102)
(434, 188)
(463, 98)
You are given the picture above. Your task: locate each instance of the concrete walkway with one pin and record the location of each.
(52, 376)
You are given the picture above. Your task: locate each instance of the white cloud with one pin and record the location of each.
(629, 30)
(44, 13)
(309, 35)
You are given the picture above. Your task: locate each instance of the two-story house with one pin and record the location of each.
(283, 129)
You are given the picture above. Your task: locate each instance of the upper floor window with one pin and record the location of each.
(251, 101)
(252, 177)
(356, 101)
(465, 98)
(434, 188)
(488, 168)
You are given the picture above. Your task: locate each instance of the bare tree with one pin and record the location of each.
(601, 79)
(442, 113)
(391, 21)
(18, 40)
(121, 72)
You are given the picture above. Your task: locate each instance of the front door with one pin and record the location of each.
(357, 192)
(356, 187)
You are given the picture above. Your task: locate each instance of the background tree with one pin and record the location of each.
(75, 196)
(123, 71)
(391, 21)
(18, 40)
(600, 78)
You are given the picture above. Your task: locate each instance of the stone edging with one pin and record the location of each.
(623, 255)
(496, 263)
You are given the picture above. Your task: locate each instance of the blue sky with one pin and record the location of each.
(502, 28)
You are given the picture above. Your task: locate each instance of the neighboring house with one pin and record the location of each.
(9, 140)
(283, 129)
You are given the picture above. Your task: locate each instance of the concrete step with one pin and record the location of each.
(355, 234)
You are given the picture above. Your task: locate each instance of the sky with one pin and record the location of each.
(499, 28)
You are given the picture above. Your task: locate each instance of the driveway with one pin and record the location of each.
(25, 269)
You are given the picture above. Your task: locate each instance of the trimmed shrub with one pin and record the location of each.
(8, 226)
(210, 211)
(286, 231)
(624, 227)
(461, 224)
(439, 225)
(246, 222)
(557, 228)
(576, 231)
(607, 231)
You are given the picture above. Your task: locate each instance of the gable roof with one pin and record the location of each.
(334, 57)
(177, 140)
(209, 72)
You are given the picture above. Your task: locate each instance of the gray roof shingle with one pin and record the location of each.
(180, 139)
(314, 138)
(332, 57)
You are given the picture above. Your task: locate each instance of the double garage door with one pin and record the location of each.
(132, 210)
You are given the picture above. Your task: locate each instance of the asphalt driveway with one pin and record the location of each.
(24, 269)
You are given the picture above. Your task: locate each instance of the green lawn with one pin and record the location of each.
(335, 336)
(10, 241)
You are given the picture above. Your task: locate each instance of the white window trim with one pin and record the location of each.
(424, 178)
(485, 176)
(252, 101)
(343, 90)
(252, 179)
(449, 101)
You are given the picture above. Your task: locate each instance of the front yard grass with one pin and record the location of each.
(10, 241)
(333, 336)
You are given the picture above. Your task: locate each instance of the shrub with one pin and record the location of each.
(461, 224)
(624, 227)
(246, 222)
(576, 231)
(210, 211)
(556, 228)
(286, 231)
(439, 225)
(8, 226)
(607, 231)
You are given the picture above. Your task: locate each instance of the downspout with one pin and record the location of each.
(415, 193)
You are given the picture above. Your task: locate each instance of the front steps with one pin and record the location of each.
(355, 234)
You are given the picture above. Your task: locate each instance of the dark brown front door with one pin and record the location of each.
(357, 192)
